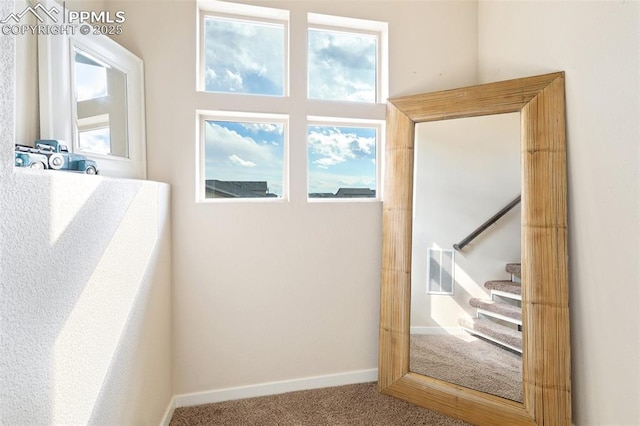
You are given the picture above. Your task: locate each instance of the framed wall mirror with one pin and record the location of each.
(92, 98)
(541, 357)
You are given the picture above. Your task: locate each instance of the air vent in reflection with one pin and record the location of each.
(440, 271)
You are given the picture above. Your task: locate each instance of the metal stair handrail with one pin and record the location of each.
(480, 229)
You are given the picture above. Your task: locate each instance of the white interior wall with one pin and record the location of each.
(278, 291)
(597, 44)
(465, 171)
(85, 314)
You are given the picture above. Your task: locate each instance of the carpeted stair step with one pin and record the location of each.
(488, 329)
(504, 311)
(505, 286)
(514, 269)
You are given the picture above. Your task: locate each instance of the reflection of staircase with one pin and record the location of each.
(499, 319)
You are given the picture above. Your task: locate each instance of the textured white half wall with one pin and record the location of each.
(85, 300)
(85, 267)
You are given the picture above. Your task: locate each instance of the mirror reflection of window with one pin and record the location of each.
(91, 78)
(95, 140)
(101, 106)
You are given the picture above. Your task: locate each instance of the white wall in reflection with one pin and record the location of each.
(466, 170)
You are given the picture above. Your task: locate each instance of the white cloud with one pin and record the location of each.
(327, 182)
(342, 66)
(224, 143)
(331, 160)
(233, 79)
(237, 160)
(233, 155)
(335, 147)
(264, 127)
(244, 57)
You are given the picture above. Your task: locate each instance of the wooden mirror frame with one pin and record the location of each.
(545, 310)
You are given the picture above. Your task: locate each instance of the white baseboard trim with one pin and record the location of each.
(274, 388)
(168, 414)
(437, 330)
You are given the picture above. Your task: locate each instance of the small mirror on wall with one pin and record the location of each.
(92, 97)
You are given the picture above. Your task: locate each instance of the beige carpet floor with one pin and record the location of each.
(468, 361)
(463, 360)
(359, 404)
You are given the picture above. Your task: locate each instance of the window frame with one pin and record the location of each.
(379, 125)
(378, 29)
(202, 116)
(241, 13)
(342, 30)
(295, 102)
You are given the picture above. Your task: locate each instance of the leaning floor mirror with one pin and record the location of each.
(452, 158)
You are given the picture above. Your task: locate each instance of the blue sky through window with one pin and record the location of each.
(245, 151)
(341, 157)
(342, 66)
(243, 56)
(248, 54)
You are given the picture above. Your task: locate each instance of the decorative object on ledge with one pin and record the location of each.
(55, 155)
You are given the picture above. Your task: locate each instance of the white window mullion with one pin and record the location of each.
(298, 111)
(226, 72)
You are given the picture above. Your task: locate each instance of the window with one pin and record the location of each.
(243, 155)
(342, 160)
(244, 53)
(347, 59)
(250, 113)
(341, 65)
